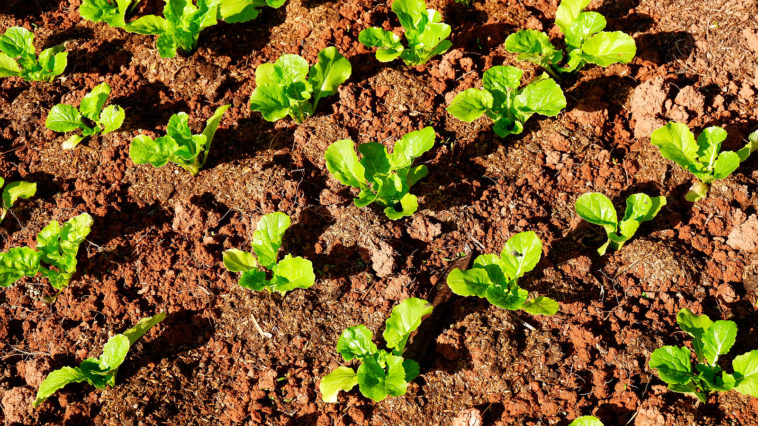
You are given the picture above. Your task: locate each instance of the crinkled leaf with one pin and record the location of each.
(541, 306)
(377, 384)
(15, 190)
(355, 342)
(342, 162)
(114, 352)
(746, 372)
(586, 421)
(532, 45)
(8, 66)
(17, 41)
(695, 326)
(408, 206)
(341, 379)
(597, 209)
(473, 282)
(375, 159)
(725, 164)
(586, 24)
(411, 368)
(158, 152)
(331, 70)
(609, 48)
(677, 143)
(470, 104)
(64, 118)
(112, 118)
(291, 273)
(509, 297)
(404, 320)
(709, 145)
(412, 146)
(236, 260)
(56, 380)
(743, 153)
(17, 263)
(543, 96)
(673, 364)
(93, 102)
(267, 238)
(718, 339)
(501, 80)
(148, 25)
(410, 13)
(388, 43)
(637, 206)
(521, 254)
(568, 11)
(253, 279)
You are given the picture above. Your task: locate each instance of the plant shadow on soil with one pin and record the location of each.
(146, 103)
(29, 8)
(239, 40)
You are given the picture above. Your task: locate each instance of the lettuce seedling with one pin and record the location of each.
(586, 42)
(112, 12)
(18, 57)
(180, 26)
(99, 372)
(236, 11)
(507, 105)
(711, 340)
(596, 208)
(424, 32)
(265, 272)
(382, 177)
(57, 246)
(179, 146)
(586, 421)
(289, 87)
(496, 277)
(66, 118)
(12, 192)
(703, 158)
(382, 373)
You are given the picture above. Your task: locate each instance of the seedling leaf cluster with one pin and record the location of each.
(710, 341)
(290, 87)
(382, 177)
(597, 209)
(99, 372)
(425, 33)
(18, 57)
(261, 269)
(66, 118)
(505, 103)
(382, 373)
(495, 278)
(179, 146)
(586, 42)
(57, 246)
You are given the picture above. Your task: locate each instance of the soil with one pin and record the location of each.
(158, 235)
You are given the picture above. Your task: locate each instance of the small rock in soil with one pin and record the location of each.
(646, 103)
(469, 417)
(34, 371)
(423, 229)
(382, 259)
(17, 405)
(744, 237)
(396, 289)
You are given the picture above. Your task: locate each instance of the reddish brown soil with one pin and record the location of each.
(159, 233)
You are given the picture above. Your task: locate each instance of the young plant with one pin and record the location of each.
(382, 177)
(703, 158)
(66, 118)
(586, 42)
(586, 421)
(382, 373)
(112, 12)
(496, 277)
(507, 105)
(57, 246)
(236, 11)
(424, 32)
(179, 146)
(18, 57)
(265, 272)
(289, 87)
(180, 26)
(596, 208)
(99, 372)
(711, 340)
(12, 192)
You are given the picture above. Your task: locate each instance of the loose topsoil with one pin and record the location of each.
(159, 233)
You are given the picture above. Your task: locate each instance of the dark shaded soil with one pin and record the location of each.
(158, 235)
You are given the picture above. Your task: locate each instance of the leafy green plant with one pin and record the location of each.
(381, 177)
(597, 209)
(466, 3)
(66, 118)
(586, 421)
(235, 11)
(12, 192)
(507, 105)
(586, 42)
(424, 32)
(180, 26)
(496, 277)
(57, 246)
(703, 158)
(710, 341)
(18, 57)
(289, 87)
(382, 373)
(265, 272)
(99, 372)
(112, 12)
(179, 146)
